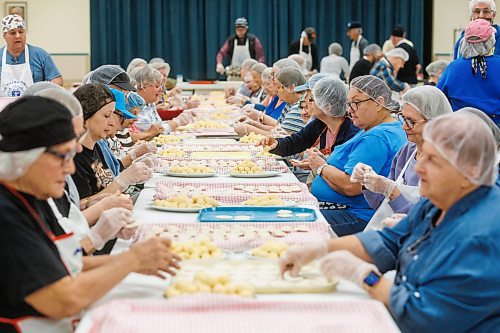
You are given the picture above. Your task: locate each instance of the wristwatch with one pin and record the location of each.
(318, 171)
(371, 279)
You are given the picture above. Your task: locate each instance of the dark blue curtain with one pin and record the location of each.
(188, 33)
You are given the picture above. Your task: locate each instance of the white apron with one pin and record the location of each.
(71, 254)
(75, 222)
(411, 194)
(307, 56)
(354, 57)
(15, 79)
(240, 53)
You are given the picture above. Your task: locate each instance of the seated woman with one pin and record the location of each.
(445, 252)
(381, 136)
(253, 82)
(399, 191)
(472, 80)
(45, 280)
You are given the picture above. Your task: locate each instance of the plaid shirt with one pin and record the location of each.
(384, 71)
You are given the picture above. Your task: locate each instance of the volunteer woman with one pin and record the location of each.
(23, 64)
(398, 192)
(446, 252)
(45, 280)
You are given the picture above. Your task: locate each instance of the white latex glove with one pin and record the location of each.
(278, 132)
(150, 160)
(129, 230)
(140, 149)
(235, 100)
(360, 169)
(379, 184)
(220, 69)
(297, 257)
(268, 141)
(136, 173)
(183, 119)
(392, 220)
(345, 265)
(109, 224)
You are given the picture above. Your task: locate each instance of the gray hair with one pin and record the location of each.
(259, 68)
(286, 62)
(146, 75)
(473, 3)
(335, 48)
(156, 59)
(399, 53)
(290, 77)
(134, 63)
(247, 64)
(160, 65)
(436, 67)
(266, 74)
(470, 50)
(372, 49)
(300, 60)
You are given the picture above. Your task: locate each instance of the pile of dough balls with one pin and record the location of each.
(209, 284)
(270, 249)
(172, 153)
(252, 137)
(204, 124)
(191, 169)
(201, 249)
(247, 167)
(182, 201)
(162, 139)
(264, 200)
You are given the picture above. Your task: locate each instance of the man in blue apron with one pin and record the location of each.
(22, 64)
(240, 47)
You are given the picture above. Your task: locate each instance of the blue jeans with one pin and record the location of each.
(343, 222)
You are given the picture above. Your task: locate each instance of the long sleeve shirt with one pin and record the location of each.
(448, 275)
(384, 71)
(400, 204)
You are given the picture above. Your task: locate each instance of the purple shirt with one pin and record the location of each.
(410, 177)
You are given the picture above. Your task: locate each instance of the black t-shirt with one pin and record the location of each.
(30, 260)
(408, 72)
(92, 173)
(360, 68)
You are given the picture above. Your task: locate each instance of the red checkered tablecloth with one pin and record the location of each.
(221, 165)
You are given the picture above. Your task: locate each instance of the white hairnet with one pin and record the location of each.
(15, 164)
(65, 98)
(39, 86)
(484, 117)
(374, 88)
(283, 63)
(467, 143)
(436, 67)
(398, 52)
(135, 63)
(335, 48)
(330, 95)
(427, 100)
(86, 78)
(473, 3)
(372, 49)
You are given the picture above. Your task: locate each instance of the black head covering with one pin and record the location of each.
(93, 97)
(34, 122)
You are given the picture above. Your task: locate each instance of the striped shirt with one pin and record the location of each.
(384, 71)
(125, 139)
(290, 119)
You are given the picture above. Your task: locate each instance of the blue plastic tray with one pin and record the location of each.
(257, 214)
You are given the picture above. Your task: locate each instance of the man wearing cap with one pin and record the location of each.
(23, 64)
(408, 73)
(306, 47)
(355, 33)
(239, 47)
(486, 10)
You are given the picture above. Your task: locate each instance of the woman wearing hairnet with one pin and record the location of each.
(399, 191)
(381, 136)
(446, 252)
(435, 70)
(45, 280)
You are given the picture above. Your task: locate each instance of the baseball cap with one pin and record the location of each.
(112, 74)
(478, 31)
(311, 82)
(120, 104)
(398, 31)
(353, 25)
(241, 22)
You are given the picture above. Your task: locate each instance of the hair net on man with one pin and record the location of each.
(335, 48)
(467, 143)
(39, 86)
(427, 100)
(330, 95)
(372, 49)
(398, 52)
(374, 88)
(436, 67)
(484, 117)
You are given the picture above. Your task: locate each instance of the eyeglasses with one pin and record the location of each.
(485, 11)
(410, 123)
(65, 157)
(354, 105)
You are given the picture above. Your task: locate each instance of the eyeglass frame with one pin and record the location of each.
(410, 123)
(65, 157)
(349, 105)
(485, 11)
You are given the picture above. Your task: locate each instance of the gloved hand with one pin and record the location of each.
(140, 149)
(379, 184)
(150, 160)
(251, 112)
(392, 220)
(116, 200)
(241, 129)
(347, 266)
(129, 230)
(236, 100)
(297, 257)
(183, 119)
(360, 169)
(268, 141)
(109, 224)
(192, 103)
(220, 69)
(136, 173)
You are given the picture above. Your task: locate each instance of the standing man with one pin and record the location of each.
(306, 47)
(408, 73)
(22, 64)
(240, 47)
(486, 10)
(355, 33)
